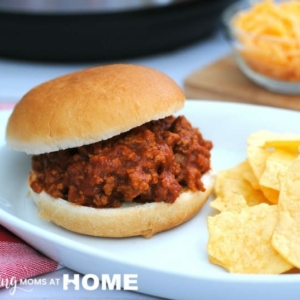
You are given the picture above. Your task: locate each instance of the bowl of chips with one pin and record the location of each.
(265, 37)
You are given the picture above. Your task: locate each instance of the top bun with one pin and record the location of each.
(89, 106)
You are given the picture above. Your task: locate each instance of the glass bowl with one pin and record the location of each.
(271, 62)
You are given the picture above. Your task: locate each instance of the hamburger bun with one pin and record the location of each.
(89, 106)
(131, 219)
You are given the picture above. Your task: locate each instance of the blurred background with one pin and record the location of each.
(101, 30)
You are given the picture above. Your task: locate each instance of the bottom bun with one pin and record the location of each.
(131, 219)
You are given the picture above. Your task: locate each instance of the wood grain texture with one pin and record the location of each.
(222, 80)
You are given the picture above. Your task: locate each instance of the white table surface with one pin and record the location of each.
(17, 77)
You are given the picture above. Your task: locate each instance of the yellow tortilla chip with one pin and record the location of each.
(270, 195)
(259, 138)
(277, 162)
(241, 242)
(249, 235)
(250, 177)
(267, 139)
(235, 203)
(257, 158)
(231, 182)
(286, 238)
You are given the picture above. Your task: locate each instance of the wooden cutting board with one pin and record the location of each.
(222, 80)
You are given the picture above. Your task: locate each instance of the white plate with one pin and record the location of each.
(171, 264)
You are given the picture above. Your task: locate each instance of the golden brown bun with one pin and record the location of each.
(129, 220)
(90, 105)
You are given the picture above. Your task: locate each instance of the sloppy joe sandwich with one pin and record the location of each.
(109, 156)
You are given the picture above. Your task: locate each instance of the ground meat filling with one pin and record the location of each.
(150, 163)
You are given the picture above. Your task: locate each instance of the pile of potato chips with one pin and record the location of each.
(257, 227)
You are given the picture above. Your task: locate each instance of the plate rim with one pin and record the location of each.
(8, 220)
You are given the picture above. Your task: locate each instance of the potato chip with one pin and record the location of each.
(214, 260)
(235, 203)
(286, 238)
(241, 242)
(257, 158)
(250, 177)
(231, 182)
(266, 139)
(249, 235)
(270, 195)
(259, 138)
(278, 161)
(232, 173)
